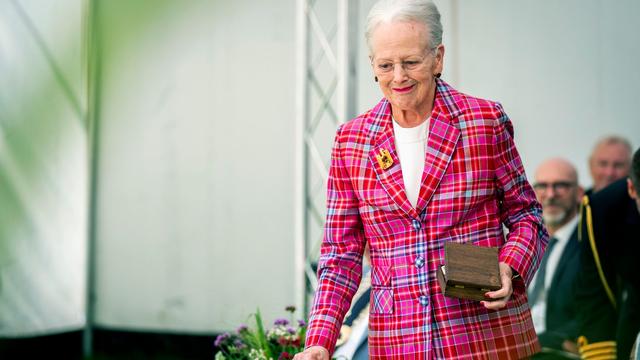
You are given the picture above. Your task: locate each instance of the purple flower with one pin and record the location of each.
(283, 322)
(242, 328)
(239, 344)
(221, 339)
(301, 323)
(291, 330)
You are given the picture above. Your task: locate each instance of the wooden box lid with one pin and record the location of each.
(469, 271)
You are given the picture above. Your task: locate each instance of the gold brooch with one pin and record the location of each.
(384, 159)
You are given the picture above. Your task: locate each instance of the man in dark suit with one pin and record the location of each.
(552, 291)
(610, 279)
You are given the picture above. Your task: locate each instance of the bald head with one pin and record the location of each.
(556, 186)
(557, 167)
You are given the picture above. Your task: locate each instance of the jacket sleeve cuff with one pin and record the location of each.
(510, 256)
(321, 337)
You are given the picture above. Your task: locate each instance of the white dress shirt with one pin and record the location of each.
(539, 309)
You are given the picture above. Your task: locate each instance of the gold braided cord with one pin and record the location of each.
(594, 250)
(585, 199)
(601, 350)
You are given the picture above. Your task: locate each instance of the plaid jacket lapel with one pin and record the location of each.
(441, 142)
(390, 178)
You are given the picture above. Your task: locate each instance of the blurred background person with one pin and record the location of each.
(609, 281)
(552, 292)
(609, 161)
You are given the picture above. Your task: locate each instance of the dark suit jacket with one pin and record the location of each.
(562, 309)
(616, 227)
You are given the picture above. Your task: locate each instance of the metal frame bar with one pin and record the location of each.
(92, 63)
(302, 110)
(342, 86)
(347, 54)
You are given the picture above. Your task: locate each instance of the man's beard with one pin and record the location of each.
(557, 218)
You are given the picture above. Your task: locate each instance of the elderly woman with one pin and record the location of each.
(427, 165)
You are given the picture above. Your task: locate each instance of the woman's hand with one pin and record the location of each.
(500, 297)
(313, 353)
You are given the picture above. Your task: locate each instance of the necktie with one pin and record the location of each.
(538, 285)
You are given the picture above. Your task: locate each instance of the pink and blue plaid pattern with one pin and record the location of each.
(473, 183)
(381, 275)
(382, 301)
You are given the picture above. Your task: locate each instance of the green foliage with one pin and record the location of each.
(283, 340)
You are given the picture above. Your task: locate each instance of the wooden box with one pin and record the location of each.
(469, 271)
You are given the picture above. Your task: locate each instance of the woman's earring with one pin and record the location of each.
(375, 78)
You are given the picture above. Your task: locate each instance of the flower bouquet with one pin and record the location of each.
(281, 341)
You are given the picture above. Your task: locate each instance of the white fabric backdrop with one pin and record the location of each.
(43, 168)
(195, 219)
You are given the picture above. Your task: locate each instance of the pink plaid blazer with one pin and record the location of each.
(473, 183)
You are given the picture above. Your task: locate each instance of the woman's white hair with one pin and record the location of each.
(423, 11)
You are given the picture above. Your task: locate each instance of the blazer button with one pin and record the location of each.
(416, 224)
(424, 300)
(419, 262)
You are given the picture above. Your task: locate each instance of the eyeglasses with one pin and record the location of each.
(558, 187)
(412, 63)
